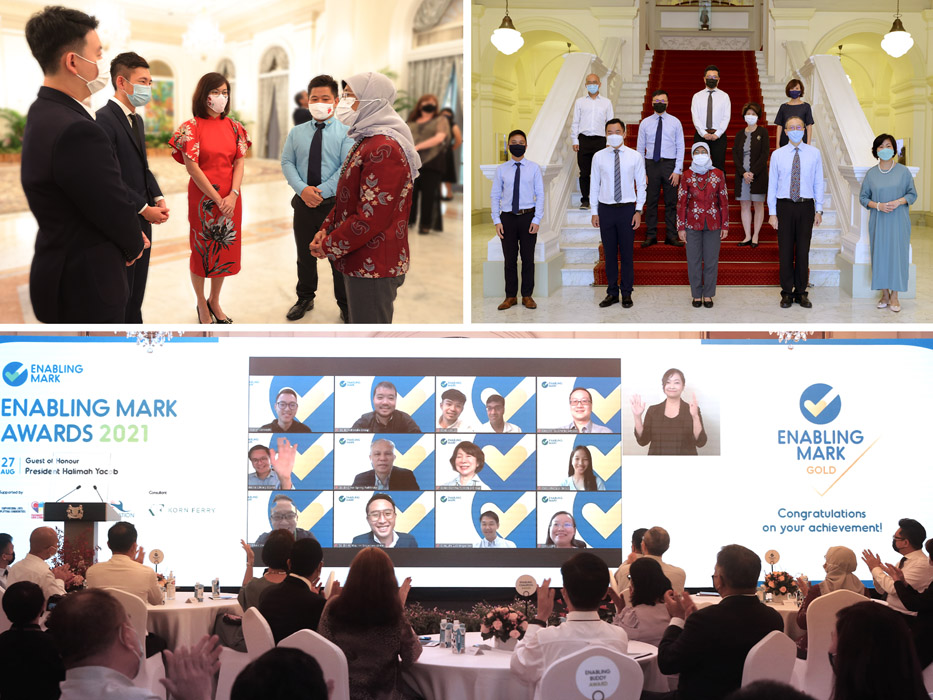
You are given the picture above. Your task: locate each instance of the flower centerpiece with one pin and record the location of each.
(505, 625)
(780, 584)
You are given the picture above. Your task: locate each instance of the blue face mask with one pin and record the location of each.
(592, 89)
(140, 96)
(795, 136)
(885, 153)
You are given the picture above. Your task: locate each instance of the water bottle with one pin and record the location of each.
(199, 592)
(215, 588)
(449, 637)
(170, 586)
(462, 638)
(457, 641)
(443, 636)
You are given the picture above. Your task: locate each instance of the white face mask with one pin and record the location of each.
(751, 119)
(701, 159)
(321, 110)
(345, 111)
(100, 82)
(217, 103)
(614, 140)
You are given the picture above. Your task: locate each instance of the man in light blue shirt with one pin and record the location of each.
(311, 160)
(664, 164)
(272, 471)
(795, 204)
(517, 215)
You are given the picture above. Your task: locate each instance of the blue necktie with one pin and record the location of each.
(515, 187)
(617, 189)
(657, 142)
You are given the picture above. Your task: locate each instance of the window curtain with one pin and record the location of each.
(432, 77)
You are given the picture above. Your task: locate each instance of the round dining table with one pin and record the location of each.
(179, 622)
(439, 674)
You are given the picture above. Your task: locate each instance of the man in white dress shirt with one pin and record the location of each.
(448, 419)
(618, 179)
(581, 410)
(43, 544)
(101, 653)
(661, 144)
(586, 582)
(711, 110)
(654, 543)
(495, 409)
(795, 205)
(125, 570)
(489, 526)
(590, 114)
(918, 572)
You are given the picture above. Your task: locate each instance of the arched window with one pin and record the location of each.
(228, 70)
(160, 112)
(274, 102)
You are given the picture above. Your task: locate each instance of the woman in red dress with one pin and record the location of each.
(212, 148)
(366, 233)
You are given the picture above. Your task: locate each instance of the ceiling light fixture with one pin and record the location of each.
(898, 41)
(507, 39)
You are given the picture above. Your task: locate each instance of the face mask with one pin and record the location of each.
(711, 83)
(217, 102)
(795, 136)
(894, 546)
(100, 82)
(140, 96)
(701, 159)
(794, 94)
(592, 89)
(517, 149)
(321, 110)
(614, 140)
(659, 107)
(429, 109)
(345, 111)
(751, 119)
(140, 652)
(885, 153)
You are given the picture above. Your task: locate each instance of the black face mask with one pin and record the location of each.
(429, 109)
(516, 149)
(659, 107)
(894, 546)
(711, 83)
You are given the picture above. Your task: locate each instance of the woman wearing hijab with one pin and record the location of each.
(366, 233)
(839, 565)
(702, 222)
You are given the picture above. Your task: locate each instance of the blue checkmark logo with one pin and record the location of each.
(15, 374)
(820, 404)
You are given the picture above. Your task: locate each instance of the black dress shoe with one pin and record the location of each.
(786, 301)
(648, 242)
(609, 300)
(301, 307)
(754, 245)
(745, 243)
(218, 320)
(199, 316)
(697, 303)
(804, 301)
(627, 302)
(675, 243)
(708, 304)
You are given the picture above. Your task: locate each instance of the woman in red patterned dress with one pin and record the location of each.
(212, 147)
(366, 233)
(702, 222)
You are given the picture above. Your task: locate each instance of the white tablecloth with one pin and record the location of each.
(442, 675)
(183, 623)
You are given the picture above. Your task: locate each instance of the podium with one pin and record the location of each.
(80, 519)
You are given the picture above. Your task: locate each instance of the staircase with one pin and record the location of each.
(679, 73)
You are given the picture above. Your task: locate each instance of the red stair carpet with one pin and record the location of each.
(680, 73)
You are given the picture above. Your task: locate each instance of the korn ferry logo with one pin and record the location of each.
(820, 404)
(15, 374)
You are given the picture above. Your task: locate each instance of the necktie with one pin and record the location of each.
(515, 187)
(618, 177)
(138, 131)
(795, 177)
(900, 564)
(657, 142)
(709, 111)
(314, 156)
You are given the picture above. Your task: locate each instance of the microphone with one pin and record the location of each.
(98, 494)
(67, 494)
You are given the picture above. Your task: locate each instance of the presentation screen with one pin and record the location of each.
(472, 461)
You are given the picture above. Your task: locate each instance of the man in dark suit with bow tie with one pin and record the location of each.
(132, 83)
(88, 229)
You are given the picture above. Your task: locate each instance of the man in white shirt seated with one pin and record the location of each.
(489, 525)
(918, 572)
(654, 543)
(448, 419)
(495, 410)
(125, 570)
(101, 653)
(43, 544)
(586, 582)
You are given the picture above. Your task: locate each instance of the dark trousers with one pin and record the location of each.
(589, 145)
(306, 222)
(717, 150)
(795, 227)
(427, 188)
(618, 236)
(136, 276)
(517, 241)
(659, 177)
(372, 300)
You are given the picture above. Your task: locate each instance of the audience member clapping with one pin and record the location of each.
(30, 666)
(920, 602)
(281, 674)
(296, 603)
(647, 617)
(367, 621)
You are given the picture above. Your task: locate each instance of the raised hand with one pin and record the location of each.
(893, 572)
(803, 584)
(404, 589)
(871, 559)
(616, 600)
(545, 600)
(250, 555)
(694, 407)
(189, 673)
(674, 605)
(638, 406)
(140, 555)
(283, 461)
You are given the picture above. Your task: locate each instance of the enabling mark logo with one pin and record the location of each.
(820, 404)
(15, 374)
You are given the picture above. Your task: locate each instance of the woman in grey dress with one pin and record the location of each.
(887, 191)
(750, 154)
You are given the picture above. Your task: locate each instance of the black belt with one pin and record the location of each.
(617, 204)
(799, 201)
(520, 212)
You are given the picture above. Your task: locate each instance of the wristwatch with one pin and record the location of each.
(538, 622)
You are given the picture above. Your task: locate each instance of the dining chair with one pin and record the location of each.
(771, 659)
(331, 658)
(259, 640)
(568, 677)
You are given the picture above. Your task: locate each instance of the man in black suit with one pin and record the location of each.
(708, 647)
(88, 229)
(133, 85)
(381, 514)
(295, 603)
(384, 476)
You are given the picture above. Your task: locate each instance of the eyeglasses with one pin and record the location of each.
(901, 539)
(794, 128)
(580, 402)
(280, 517)
(566, 526)
(347, 96)
(376, 514)
(291, 405)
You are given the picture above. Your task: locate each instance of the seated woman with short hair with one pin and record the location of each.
(647, 617)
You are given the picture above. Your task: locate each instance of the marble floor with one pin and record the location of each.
(265, 288)
(665, 305)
